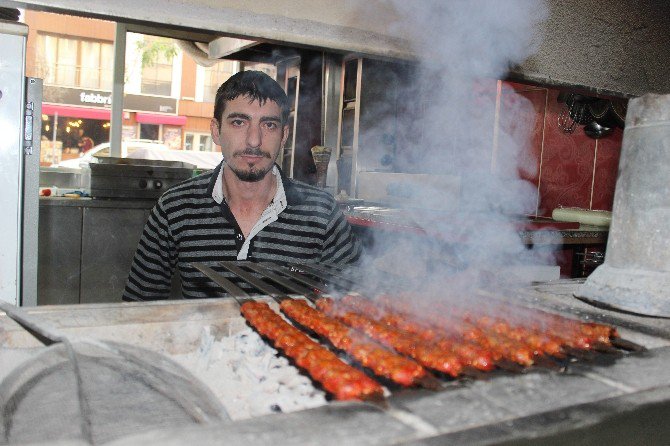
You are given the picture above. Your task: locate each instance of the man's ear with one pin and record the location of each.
(214, 129)
(285, 137)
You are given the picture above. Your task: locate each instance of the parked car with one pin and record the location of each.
(151, 150)
(103, 149)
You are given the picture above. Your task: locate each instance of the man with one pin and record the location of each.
(245, 209)
(84, 142)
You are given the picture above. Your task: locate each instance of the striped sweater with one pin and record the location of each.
(187, 225)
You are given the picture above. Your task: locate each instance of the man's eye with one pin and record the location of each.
(237, 122)
(270, 125)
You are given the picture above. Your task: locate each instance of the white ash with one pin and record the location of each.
(248, 376)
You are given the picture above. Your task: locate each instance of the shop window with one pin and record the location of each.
(200, 142)
(71, 62)
(150, 132)
(205, 143)
(157, 57)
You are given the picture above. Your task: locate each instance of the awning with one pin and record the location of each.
(77, 112)
(151, 118)
(105, 114)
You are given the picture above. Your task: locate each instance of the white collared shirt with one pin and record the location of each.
(269, 215)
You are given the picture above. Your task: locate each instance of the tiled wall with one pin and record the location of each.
(572, 170)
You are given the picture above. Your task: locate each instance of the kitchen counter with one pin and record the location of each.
(85, 247)
(532, 231)
(97, 203)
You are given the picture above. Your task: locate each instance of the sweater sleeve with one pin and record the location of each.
(341, 247)
(154, 262)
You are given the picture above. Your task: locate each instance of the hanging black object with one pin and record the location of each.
(599, 116)
(576, 111)
(595, 130)
(609, 112)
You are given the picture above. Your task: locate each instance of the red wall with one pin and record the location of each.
(573, 170)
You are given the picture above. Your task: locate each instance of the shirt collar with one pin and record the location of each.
(279, 201)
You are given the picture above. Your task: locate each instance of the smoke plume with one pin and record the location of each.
(454, 127)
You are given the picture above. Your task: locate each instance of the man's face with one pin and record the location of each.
(251, 136)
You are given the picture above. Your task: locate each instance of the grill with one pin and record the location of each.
(451, 348)
(136, 178)
(613, 398)
(609, 389)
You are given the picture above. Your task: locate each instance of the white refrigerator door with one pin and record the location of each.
(12, 84)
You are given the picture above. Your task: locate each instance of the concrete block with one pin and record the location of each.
(639, 371)
(454, 409)
(537, 392)
(335, 424)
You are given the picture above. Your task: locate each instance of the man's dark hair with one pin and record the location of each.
(257, 85)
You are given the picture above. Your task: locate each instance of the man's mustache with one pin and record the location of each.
(253, 152)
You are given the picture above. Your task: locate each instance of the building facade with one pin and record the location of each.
(168, 97)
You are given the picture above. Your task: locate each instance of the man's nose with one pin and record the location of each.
(254, 136)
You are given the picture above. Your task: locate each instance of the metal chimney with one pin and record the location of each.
(636, 274)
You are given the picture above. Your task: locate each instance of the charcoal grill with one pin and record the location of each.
(625, 401)
(614, 398)
(248, 280)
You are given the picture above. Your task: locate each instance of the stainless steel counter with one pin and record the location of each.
(97, 203)
(85, 247)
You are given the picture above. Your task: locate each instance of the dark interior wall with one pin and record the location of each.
(310, 103)
(619, 47)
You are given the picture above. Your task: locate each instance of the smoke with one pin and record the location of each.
(458, 121)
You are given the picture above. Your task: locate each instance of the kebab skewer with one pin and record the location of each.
(480, 350)
(548, 334)
(431, 356)
(544, 332)
(341, 380)
(365, 351)
(471, 353)
(568, 332)
(523, 345)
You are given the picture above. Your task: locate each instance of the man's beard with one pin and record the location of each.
(252, 175)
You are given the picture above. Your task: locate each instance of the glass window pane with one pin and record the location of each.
(164, 72)
(157, 74)
(74, 63)
(188, 142)
(208, 142)
(149, 131)
(45, 58)
(106, 66)
(215, 76)
(90, 64)
(66, 65)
